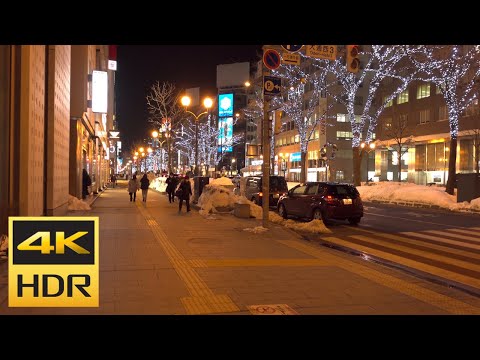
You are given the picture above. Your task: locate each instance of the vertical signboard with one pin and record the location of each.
(225, 122)
(99, 91)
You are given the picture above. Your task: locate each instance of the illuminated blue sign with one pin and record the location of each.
(225, 134)
(296, 156)
(225, 105)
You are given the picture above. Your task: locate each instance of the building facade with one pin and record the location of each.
(49, 133)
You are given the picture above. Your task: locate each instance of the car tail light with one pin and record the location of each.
(330, 200)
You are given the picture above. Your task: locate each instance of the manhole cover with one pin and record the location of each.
(276, 309)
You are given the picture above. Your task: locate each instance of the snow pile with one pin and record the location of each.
(256, 229)
(275, 218)
(475, 204)
(314, 226)
(221, 181)
(77, 204)
(394, 191)
(159, 184)
(215, 196)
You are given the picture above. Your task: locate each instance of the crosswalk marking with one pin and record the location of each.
(463, 279)
(433, 256)
(441, 247)
(463, 231)
(406, 287)
(436, 238)
(457, 236)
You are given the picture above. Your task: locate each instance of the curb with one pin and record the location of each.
(415, 272)
(419, 205)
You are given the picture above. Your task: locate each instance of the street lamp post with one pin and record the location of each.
(368, 150)
(207, 102)
(283, 163)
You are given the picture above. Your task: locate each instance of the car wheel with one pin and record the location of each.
(354, 220)
(317, 214)
(282, 211)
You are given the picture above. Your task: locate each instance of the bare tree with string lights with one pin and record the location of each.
(296, 86)
(208, 134)
(165, 112)
(380, 64)
(455, 70)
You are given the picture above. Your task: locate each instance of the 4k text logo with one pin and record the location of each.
(53, 262)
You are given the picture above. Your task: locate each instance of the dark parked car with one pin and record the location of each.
(253, 189)
(323, 201)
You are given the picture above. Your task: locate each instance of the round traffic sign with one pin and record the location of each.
(292, 48)
(271, 59)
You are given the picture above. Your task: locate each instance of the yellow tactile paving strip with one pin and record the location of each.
(203, 300)
(260, 262)
(428, 296)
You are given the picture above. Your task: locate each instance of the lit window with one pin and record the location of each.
(403, 97)
(358, 119)
(344, 134)
(297, 138)
(341, 118)
(423, 91)
(424, 116)
(437, 90)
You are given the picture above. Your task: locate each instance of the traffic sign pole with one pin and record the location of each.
(266, 158)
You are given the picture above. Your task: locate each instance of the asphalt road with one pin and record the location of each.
(439, 245)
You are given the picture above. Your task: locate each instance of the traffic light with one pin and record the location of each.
(353, 62)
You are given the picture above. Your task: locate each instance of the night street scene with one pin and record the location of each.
(243, 180)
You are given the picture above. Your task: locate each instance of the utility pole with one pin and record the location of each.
(266, 159)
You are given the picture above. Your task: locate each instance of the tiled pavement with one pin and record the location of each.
(155, 260)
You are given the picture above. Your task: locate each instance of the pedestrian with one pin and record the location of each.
(144, 184)
(133, 187)
(86, 182)
(113, 179)
(171, 185)
(186, 191)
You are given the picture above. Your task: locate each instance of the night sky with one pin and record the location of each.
(187, 66)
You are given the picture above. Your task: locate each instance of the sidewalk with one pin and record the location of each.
(155, 260)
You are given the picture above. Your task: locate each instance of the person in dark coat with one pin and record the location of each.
(144, 184)
(186, 188)
(171, 186)
(86, 182)
(113, 179)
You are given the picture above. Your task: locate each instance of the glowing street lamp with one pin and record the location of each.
(207, 103)
(368, 149)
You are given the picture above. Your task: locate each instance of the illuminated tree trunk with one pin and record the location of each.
(452, 167)
(356, 165)
(302, 168)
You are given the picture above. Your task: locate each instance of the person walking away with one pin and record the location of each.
(170, 188)
(113, 179)
(186, 188)
(133, 187)
(86, 182)
(144, 183)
